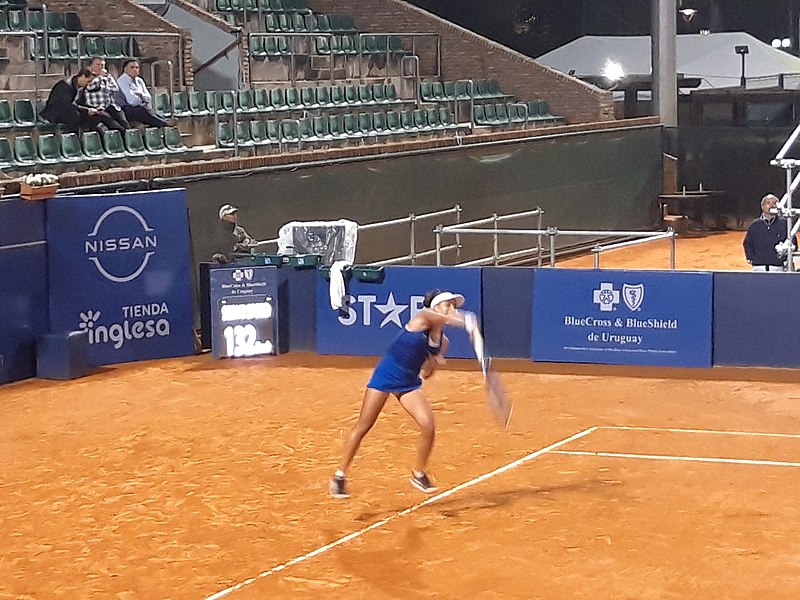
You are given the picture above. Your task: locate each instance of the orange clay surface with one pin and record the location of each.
(182, 478)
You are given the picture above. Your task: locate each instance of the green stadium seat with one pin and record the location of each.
(501, 110)
(437, 92)
(57, 48)
(338, 96)
(393, 122)
(24, 114)
(175, 145)
(224, 135)
(54, 21)
(490, 115)
(16, 20)
(407, 121)
(72, 22)
(116, 49)
(380, 124)
(348, 45)
(305, 129)
(432, 115)
(243, 137)
(449, 88)
(277, 97)
(379, 93)
(271, 23)
(351, 95)
(72, 47)
(479, 115)
(274, 131)
(226, 102)
(71, 150)
(154, 140)
(308, 96)
(224, 5)
(426, 91)
(113, 145)
(293, 100)
(446, 118)
(322, 23)
(276, 6)
(93, 145)
(286, 23)
(290, 131)
(464, 89)
(25, 151)
(257, 47)
(365, 125)
(195, 104)
(336, 127)
(396, 46)
(365, 94)
(324, 96)
(299, 24)
(261, 100)
(93, 46)
(517, 113)
(3, 23)
(161, 103)
(35, 48)
(7, 159)
(6, 115)
(322, 45)
(246, 101)
(545, 114)
(35, 19)
(421, 120)
(134, 143)
(351, 128)
(49, 149)
(258, 133)
(321, 127)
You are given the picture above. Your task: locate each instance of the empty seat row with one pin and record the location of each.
(264, 46)
(308, 23)
(200, 104)
(89, 147)
(496, 114)
(333, 128)
(479, 89)
(65, 47)
(20, 114)
(37, 20)
(276, 6)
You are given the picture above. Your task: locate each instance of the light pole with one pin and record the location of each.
(742, 51)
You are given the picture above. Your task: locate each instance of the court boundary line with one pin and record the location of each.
(690, 430)
(407, 511)
(672, 457)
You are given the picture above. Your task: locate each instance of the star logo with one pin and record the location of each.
(392, 310)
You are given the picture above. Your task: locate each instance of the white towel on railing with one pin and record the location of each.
(336, 289)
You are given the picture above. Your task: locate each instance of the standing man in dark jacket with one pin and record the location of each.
(763, 234)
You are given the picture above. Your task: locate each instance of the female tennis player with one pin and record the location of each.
(417, 350)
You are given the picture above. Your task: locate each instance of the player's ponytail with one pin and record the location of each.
(429, 297)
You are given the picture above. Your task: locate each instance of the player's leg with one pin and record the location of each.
(416, 404)
(374, 400)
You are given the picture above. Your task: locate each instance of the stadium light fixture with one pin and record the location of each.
(742, 51)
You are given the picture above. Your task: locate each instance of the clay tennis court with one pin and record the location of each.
(195, 478)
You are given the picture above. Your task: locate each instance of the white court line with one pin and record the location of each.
(710, 431)
(407, 511)
(730, 461)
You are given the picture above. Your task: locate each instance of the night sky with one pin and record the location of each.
(534, 27)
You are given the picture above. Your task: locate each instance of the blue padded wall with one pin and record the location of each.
(23, 286)
(507, 300)
(754, 318)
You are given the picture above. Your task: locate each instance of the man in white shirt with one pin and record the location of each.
(134, 97)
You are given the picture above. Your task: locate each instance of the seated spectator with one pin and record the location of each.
(64, 106)
(134, 98)
(99, 94)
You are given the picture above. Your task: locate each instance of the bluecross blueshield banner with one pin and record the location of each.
(374, 313)
(622, 317)
(120, 269)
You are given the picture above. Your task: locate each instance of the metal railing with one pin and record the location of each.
(412, 220)
(170, 85)
(668, 234)
(552, 233)
(309, 41)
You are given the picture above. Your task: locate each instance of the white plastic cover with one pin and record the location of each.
(332, 240)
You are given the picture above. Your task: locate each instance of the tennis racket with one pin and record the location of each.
(499, 404)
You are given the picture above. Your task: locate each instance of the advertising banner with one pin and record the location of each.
(244, 311)
(120, 269)
(622, 317)
(373, 313)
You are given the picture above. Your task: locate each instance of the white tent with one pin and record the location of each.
(709, 57)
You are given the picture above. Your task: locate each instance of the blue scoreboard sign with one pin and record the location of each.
(622, 317)
(244, 311)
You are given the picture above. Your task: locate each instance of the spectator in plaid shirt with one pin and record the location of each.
(100, 92)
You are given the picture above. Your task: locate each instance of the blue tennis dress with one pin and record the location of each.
(398, 371)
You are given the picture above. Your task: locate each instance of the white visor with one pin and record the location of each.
(447, 296)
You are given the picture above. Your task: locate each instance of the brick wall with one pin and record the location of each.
(130, 16)
(466, 55)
